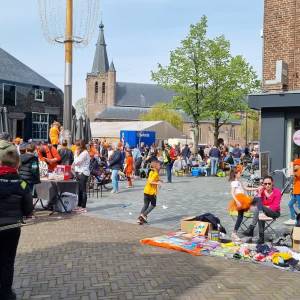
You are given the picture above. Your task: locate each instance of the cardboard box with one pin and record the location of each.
(296, 239)
(189, 226)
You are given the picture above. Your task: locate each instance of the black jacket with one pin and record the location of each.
(29, 168)
(15, 199)
(115, 162)
(67, 156)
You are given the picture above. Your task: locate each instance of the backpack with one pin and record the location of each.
(210, 218)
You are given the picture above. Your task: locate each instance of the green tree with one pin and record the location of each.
(208, 81)
(80, 106)
(161, 112)
(250, 127)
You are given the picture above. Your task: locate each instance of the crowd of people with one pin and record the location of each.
(22, 164)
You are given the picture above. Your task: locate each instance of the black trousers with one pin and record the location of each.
(82, 195)
(239, 220)
(9, 240)
(147, 208)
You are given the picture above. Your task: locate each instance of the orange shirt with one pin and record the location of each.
(296, 189)
(93, 151)
(54, 135)
(129, 165)
(50, 154)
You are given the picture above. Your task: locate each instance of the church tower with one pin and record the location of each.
(101, 82)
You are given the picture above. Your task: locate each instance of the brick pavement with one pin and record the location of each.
(82, 257)
(187, 196)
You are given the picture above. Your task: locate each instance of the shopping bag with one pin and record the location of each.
(69, 200)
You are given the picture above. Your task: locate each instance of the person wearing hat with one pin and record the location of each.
(16, 202)
(295, 196)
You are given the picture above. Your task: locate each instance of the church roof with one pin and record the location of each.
(121, 113)
(100, 64)
(11, 69)
(141, 94)
(129, 113)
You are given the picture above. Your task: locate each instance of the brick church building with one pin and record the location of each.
(279, 101)
(109, 100)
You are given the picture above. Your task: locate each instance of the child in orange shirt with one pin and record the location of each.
(295, 196)
(129, 168)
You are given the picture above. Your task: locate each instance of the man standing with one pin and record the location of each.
(115, 164)
(214, 155)
(237, 153)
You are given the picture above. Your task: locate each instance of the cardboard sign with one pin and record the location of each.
(296, 239)
(187, 225)
(200, 228)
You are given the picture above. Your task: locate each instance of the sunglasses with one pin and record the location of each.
(267, 183)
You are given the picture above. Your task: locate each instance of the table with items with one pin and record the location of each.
(53, 192)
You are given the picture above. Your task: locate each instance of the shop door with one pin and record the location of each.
(20, 128)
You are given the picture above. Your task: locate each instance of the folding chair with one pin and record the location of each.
(268, 225)
(248, 215)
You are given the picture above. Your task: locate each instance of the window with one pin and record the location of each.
(103, 87)
(39, 95)
(40, 126)
(96, 88)
(9, 95)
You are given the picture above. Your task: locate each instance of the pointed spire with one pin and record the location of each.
(100, 64)
(112, 67)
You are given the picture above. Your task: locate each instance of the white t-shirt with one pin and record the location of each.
(237, 186)
(82, 163)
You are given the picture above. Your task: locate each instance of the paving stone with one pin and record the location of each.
(96, 257)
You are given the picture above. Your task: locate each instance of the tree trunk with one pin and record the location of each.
(216, 131)
(196, 138)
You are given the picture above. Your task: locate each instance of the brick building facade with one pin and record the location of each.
(279, 101)
(33, 102)
(281, 61)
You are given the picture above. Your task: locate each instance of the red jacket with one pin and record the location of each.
(172, 154)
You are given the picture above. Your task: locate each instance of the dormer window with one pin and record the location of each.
(39, 95)
(96, 88)
(103, 87)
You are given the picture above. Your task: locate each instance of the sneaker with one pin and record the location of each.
(290, 222)
(235, 237)
(140, 220)
(263, 217)
(144, 218)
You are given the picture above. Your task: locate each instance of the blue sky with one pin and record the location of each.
(139, 34)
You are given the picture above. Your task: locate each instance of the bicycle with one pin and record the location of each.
(288, 179)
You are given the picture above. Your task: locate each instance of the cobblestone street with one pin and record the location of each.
(87, 257)
(186, 196)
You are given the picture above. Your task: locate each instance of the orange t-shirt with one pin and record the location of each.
(296, 189)
(129, 165)
(93, 151)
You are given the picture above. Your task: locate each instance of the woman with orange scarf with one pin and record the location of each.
(241, 202)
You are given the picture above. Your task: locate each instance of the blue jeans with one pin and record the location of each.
(236, 161)
(294, 199)
(169, 167)
(213, 165)
(114, 180)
